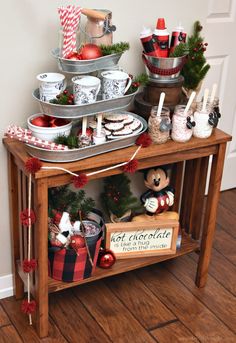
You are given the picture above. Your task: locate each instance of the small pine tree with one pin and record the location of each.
(196, 68)
(117, 197)
(63, 199)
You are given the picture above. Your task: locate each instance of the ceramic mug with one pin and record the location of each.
(115, 83)
(51, 84)
(85, 89)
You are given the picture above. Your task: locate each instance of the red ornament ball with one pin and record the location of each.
(90, 51)
(106, 258)
(77, 242)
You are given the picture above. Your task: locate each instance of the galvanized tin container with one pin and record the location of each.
(162, 68)
(81, 153)
(77, 111)
(85, 66)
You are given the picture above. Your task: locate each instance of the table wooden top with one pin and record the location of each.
(17, 149)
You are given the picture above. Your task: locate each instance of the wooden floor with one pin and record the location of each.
(154, 304)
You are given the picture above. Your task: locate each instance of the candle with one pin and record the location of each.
(99, 124)
(84, 126)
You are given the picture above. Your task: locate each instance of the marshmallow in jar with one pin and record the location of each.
(204, 126)
(182, 124)
(159, 125)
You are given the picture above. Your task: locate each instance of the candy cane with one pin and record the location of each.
(25, 135)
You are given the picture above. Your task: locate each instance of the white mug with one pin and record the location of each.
(85, 89)
(114, 84)
(51, 84)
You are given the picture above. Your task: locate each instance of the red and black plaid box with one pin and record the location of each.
(67, 265)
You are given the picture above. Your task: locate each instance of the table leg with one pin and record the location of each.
(210, 215)
(176, 182)
(14, 224)
(41, 253)
(199, 187)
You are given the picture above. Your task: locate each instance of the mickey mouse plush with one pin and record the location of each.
(160, 196)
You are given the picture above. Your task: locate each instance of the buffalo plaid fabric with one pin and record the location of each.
(67, 265)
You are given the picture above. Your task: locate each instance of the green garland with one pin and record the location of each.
(117, 197)
(63, 199)
(114, 48)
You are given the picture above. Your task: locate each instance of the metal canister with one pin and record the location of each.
(99, 29)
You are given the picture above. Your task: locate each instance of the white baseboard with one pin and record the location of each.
(6, 286)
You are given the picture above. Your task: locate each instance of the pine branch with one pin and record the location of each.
(114, 48)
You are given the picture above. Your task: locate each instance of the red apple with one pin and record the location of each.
(40, 121)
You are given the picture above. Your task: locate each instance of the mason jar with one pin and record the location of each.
(182, 124)
(204, 124)
(159, 125)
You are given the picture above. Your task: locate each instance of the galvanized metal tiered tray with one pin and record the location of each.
(81, 153)
(86, 66)
(78, 111)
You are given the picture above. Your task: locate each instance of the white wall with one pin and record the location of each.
(29, 30)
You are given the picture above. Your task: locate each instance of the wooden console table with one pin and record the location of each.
(191, 162)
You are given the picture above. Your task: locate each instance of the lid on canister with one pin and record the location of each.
(161, 25)
(146, 31)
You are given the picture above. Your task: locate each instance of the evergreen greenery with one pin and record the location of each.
(62, 199)
(196, 68)
(117, 197)
(72, 141)
(114, 48)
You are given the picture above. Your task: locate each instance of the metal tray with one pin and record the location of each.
(82, 153)
(77, 111)
(85, 66)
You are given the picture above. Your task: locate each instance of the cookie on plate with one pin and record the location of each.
(124, 132)
(114, 127)
(129, 120)
(135, 125)
(115, 118)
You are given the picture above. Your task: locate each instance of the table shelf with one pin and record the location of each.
(190, 169)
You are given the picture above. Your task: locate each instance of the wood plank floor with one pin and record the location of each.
(159, 303)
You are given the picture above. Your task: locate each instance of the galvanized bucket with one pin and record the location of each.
(163, 69)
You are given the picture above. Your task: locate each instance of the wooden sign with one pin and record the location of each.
(138, 239)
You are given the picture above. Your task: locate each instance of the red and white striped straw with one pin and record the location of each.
(25, 135)
(69, 17)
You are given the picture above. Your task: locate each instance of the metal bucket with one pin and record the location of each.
(161, 68)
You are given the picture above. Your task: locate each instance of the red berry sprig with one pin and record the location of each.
(64, 98)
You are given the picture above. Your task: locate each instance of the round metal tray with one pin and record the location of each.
(85, 66)
(77, 111)
(82, 153)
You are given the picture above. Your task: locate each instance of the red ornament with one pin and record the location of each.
(106, 258)
(130, 167)
(29, 265)
(57, 218)
(74, 56)
(32, 165)
(25, 216)
(58, 122)
(77, 242)
(144, 139)
(90, 51)
(80, 180)
(40, 121)
(28, 307)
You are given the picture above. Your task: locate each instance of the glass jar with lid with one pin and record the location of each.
(182, 124)
(204, 122)
(159, 125)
